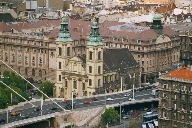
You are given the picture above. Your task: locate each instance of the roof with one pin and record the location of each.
(166, 8)
(156, 1)
(116, 59)
(156, 17)
(181, 73)
(6, 17)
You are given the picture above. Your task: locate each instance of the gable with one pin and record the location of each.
(162, 39)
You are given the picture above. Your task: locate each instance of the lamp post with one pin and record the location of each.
(105, 98)
(120, 111)
(7, 114)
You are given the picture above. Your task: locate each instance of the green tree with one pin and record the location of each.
(47, 88)
(110, 115)
(16, 83)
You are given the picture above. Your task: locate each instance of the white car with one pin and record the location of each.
(131, 99)
(110, 99)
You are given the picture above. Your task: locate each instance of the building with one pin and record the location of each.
(25, 47)
(175, 99)
(94, 70)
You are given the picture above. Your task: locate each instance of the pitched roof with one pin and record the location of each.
(116, 59)
(181, 73)
(166, 8)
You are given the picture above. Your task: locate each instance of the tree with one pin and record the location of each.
(16, 83)
(47, 88)
(110, 115)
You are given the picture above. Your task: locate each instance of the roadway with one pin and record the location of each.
(139, 95)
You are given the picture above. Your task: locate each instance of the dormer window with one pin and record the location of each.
(139, 41)
(113, 38)
(123, 39)
(150, 41)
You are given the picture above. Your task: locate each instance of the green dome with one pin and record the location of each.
(157, 17)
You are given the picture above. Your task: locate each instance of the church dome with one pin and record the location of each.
(157, 17)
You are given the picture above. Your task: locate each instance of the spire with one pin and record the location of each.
(94, 38)
(64, 34)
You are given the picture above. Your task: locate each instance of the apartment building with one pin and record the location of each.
(175, 99)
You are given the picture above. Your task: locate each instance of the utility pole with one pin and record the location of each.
(134, 86)
(42, 105)
(121, 85)
(120, 111)
(11, 98)
(105, 98)
(26, 87)
(7, 116)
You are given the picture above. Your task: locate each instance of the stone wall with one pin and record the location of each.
(81, 117)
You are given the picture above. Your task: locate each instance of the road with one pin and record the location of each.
(139, 95)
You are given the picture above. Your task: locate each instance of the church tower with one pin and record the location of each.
(94, 60)
(64, 53)
(157, 26)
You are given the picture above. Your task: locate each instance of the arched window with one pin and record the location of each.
(90, 82)
(19, 58)
(26, 71)
(99, 55)
(12, 57)
(68, 51)
(6, 57)
(33, 60)
(33, 72)
(99, 69)
(40, 60)
(40, 73)
(26, 59)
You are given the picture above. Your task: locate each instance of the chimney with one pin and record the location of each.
(191, 68)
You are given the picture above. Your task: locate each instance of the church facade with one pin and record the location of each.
(96, 71)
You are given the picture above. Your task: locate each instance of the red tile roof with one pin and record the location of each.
(181, 73)
(166, 8)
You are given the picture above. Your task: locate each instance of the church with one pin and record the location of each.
(96, 71)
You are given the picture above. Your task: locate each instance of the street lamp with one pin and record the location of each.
(72, 100)
(120, 111)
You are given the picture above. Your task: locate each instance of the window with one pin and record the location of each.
(33, 60)
(59, 65)
(6, 57)
(99, 55)
(139, 41)
(26, 71)
(33, 72)
(40, 73)
(19, 58)
(99, 69)
(66, 83)
(90, 55)
(26, 59)
(59, 51)
(75, 84)
(68, 51)
(40, 60)
(90, 82)
(90, 69)
(83, 86)
(12, 57)
(150, 41)
(164, 95)
(59, 77)
(99, 82)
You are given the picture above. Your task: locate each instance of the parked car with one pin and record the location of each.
(36, 109)
(132, 113)
(65, 101)
(94, 99)
(126, 94)
(110, 99)
(124, 117)
(69, 105)
(86, 102)
(140, 89)
(23, 116)
(53, 108)
(15, 113)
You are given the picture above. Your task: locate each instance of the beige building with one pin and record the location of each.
(95, 69)
(25, 49)
(175, 99)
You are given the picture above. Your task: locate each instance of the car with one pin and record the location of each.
(65, 101)
(86, 102)
(132, 113)
(140, 89)
(109, 99)
(23, 116)
(36, 109)
(131, 99)
(124, 117)
(53, 108)
(126, 94)
(15, 113)
(94, 99)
